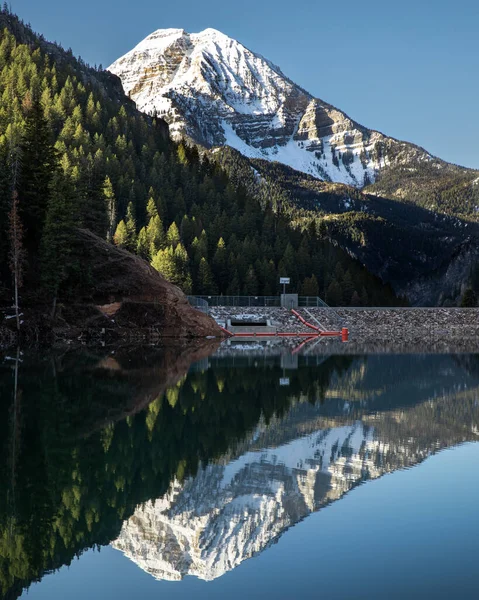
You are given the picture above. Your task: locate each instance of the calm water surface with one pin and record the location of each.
(205, 473)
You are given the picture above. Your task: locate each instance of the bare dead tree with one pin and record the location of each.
(16, 232)
(17, 252)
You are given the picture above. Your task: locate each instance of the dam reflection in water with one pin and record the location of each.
(192, 470)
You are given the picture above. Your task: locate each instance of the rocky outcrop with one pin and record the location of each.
(212, 89)
(141, 296)
(122, 297)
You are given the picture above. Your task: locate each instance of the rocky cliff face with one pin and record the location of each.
(215, 91)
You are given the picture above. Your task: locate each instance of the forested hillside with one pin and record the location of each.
(449, 189)
(74, 152)
(427, 256)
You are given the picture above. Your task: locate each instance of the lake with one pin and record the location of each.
(238, 472)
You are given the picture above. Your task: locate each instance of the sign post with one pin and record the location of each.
(284, 281)
(287, 300)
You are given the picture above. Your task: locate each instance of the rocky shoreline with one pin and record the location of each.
(378, 329)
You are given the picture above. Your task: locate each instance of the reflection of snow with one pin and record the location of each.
(228, 513)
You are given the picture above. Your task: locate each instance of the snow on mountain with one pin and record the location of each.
(213, 90)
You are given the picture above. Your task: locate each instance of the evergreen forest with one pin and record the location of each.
(75, 153)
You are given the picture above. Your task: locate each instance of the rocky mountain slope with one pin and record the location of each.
(213, 90)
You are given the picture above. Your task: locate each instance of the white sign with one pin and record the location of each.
(285, 280)
(284, 381)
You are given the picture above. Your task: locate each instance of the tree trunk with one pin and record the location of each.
(54, 307)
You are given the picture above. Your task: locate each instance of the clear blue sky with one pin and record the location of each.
(408, 69)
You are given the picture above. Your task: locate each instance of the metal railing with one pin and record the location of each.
(255, 301)
(240, 301)
(199, 303)
(311, 302)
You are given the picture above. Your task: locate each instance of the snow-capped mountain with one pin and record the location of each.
(213, 90)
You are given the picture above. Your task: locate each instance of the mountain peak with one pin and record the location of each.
(213, 33)
(215, 91)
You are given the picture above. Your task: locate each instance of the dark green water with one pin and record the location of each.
(238, 476)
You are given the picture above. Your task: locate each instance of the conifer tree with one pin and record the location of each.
(131, 227)
(310, 286)
(173, 235)
(206, 283)
(164, 263)
(334, 294)
(38, 164)
(182, 276)
(151, 209)
(110, 202)
(355, 299)
(156, 235)
(234, 286)
(58, 237)
(220, 266)
(364, 297)
(347, 288)
(469, 299)
(121, 238)
(251, 282)
(182, 154)
(93, 213)
(143, 244)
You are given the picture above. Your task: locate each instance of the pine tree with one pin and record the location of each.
(151, 209)
(92, 210)
(164, 263)
(355, 299)
(38, 164)
(220, 266)
(121, 237)
(364, 297)
(310, 286)
(347, 287)
(173, 235)
(131, 227)
(334, 294)
(182, 276)
(182, 154)
(110, 202)
(234, 286)
(156, 235)
(143, 244)
(206, 284)
(58, 237)
(251, 282)
(469, 299)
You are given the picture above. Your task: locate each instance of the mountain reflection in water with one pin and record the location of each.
(193, 470)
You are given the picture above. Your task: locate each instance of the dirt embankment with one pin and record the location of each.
(121, 298)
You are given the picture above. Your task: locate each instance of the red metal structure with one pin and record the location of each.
(343, 334)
